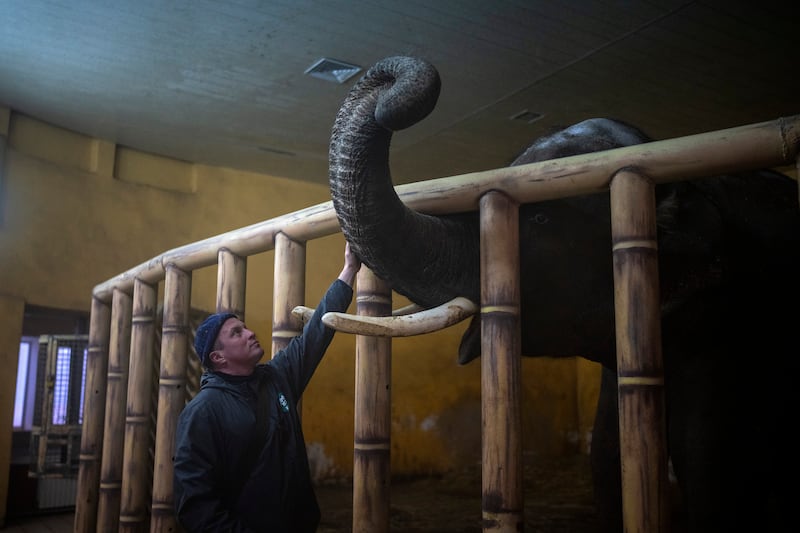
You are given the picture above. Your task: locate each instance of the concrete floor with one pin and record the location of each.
(50, 523)
(558, 500)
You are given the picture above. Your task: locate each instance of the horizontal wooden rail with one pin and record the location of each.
(767, 144)
(303, 225)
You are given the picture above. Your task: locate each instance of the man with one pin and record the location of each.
(240, 457)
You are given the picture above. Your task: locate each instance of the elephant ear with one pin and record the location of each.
(470, 347)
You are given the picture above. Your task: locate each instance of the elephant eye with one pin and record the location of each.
(540, 218)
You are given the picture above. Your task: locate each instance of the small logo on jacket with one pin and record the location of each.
(284, 402)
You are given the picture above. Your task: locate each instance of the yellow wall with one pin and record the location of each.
(77, 211)
(11, 311)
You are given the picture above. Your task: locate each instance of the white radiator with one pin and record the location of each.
(56, 492)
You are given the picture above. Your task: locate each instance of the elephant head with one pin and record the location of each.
(433, 259)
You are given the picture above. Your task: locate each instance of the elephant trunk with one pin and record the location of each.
(428, 259)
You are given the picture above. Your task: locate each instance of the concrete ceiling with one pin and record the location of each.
(223, 82)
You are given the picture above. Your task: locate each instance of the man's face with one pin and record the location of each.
(240, 350)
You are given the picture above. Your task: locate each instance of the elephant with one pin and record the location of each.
(728, 257)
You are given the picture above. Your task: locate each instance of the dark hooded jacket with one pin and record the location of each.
(232, 476)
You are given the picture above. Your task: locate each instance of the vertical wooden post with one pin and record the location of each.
(137, 465)
(231, 283)
(639, 360)
(171, 393)
(116, 397)
(94, 406)
(501, 381)
(288, 290)
(373, 411)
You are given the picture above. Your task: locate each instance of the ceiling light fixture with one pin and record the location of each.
(333, 70)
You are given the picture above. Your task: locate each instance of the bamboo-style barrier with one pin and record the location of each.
(231, 281)
(100, 491)
(116, 400)
(640, 368)
(94, 408)
(372, 411)
(137, 475)
(171, 397)
(501, 368)
(289, 275)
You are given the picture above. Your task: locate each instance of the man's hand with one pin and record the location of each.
(352, 264)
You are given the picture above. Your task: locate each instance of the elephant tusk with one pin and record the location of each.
(407, 310)
(304, 313)
(400, 324)
(403, 325)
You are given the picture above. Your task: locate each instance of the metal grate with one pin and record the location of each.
(58, 411)
(527, 116)
(333, 70)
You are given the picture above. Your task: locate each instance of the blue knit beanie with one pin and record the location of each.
(206, 335)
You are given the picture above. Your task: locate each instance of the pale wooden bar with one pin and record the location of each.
(231, 283)
(640, 367)
(171, 393)
(137, 474)
(94, 407)
(116, 399)
(372, 411)
(289, 288)
(501, 366)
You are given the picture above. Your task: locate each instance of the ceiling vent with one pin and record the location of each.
(527, 116)
(333, 70)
